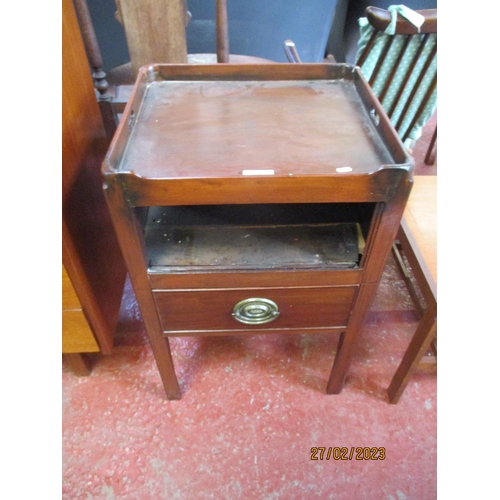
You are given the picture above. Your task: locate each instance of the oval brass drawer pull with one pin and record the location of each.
(255, 311)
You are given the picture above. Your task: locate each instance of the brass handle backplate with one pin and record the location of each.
(255, 311)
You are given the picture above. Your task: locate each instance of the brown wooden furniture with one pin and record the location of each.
(234, 190)
(104, 97)
(140, 22)
(404, 77)
(77, 336)
(418, 240)
(149, 42)
(93, 268)
(155, 31)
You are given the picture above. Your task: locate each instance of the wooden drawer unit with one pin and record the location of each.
(255, 199)
(215, 311)
(77, 336)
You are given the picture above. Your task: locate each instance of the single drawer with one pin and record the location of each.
(183, 311)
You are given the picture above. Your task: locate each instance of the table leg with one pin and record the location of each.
(348, 341)
(128, 227)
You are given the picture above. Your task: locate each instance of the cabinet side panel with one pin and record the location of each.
(90, 251)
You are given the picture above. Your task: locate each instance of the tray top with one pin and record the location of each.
(217, 128)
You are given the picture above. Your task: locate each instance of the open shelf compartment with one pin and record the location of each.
(256, 237)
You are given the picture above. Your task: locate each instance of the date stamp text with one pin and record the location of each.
(352, 453)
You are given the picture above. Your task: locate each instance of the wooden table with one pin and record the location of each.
(255, 199)
(418, 238)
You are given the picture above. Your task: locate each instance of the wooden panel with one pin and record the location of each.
(375, 187)
(255, 279)
(91, 254)
(211, 310)
(82, 128)
(69, 297)
(420, 225)
(229, 118)
(380, 19)
(219, 128)
(155, 31)
(76, 333)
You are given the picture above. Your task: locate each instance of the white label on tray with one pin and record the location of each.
(258, 172)
(341, 170)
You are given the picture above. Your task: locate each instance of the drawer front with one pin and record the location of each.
(248, 279)
(214, 310)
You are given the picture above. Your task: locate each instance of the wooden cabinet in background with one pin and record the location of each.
(93, 269)
(77, 335)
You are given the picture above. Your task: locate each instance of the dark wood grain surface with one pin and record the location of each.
(91, 254)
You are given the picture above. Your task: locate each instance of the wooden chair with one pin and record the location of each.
(417, 238)
(139, 21)
(401, 68)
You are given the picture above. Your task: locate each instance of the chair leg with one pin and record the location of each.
(430, 157)
(407, 279)
(425, 333)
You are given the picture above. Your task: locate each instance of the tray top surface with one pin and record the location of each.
(213, 129)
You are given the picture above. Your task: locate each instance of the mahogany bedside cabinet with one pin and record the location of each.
(255, 199)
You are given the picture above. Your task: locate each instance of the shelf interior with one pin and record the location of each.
(260, 237)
